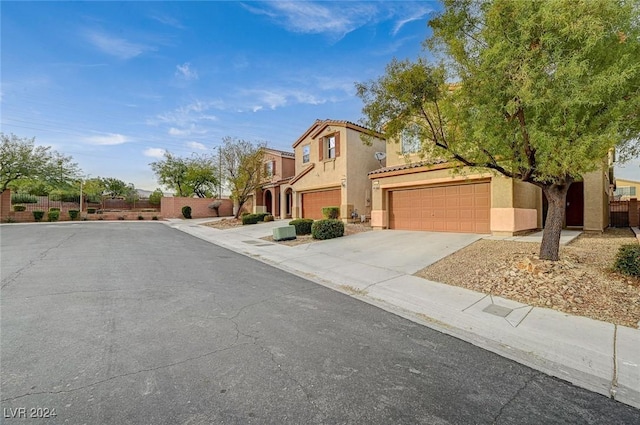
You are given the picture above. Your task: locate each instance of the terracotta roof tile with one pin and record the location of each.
(408, 166)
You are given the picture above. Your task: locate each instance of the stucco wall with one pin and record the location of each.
(171, 207)
(596, 201)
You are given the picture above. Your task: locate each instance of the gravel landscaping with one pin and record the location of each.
(581, 283)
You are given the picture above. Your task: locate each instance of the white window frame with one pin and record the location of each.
(306, 154)
(268, 168)
(410, 140)
(330, 144)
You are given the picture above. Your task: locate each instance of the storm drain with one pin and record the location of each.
(497, 310)
(252, 242)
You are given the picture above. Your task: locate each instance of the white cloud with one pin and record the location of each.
(154, 152)
(185, 72)
(337, 19)
(107, 140)
(117, 47)
(275, 98)
(197, 146)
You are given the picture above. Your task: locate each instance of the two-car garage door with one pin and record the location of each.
(313, 202)
(455, 208)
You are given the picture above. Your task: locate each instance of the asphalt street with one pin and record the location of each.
(138, 323)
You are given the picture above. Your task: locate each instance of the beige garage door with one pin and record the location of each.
(457, 208)
(313, 202)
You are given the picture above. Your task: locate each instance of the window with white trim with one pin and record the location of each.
(411, 140)
(306, 151)
(330, 143)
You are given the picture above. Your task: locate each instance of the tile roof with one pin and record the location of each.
(407, 166)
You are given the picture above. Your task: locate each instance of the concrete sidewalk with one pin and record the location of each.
(595, 355)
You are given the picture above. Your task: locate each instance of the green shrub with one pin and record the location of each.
(302, 225)
(91, 210)
(38, 215)
(19, 208)
(268, 218)
(155, 217)
(74, 214)
(262, 215)
(331, 213)
(250, 219)
(140, 217)
(23, 198)
(628, 260)
(186, 211)
(243, 213)
(54, 209)
(327, 229)
(9, 220)
(53, 215)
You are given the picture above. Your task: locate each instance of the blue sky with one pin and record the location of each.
(115, 84)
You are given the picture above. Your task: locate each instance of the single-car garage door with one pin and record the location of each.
(455, 208)
(313, 202)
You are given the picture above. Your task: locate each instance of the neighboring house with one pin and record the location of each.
(414, 194)
(331, 166)
(626, 189)
(279, 168)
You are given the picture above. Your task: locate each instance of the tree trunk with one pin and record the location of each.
(557, 200)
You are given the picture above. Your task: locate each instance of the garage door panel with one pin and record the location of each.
(313, 202)
(454, 208)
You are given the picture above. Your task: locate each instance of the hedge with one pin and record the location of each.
(327, 229)
(19, 208)
(302, 225)
(73, 214)
(332, 213)
(23, 198)
(186, 211)
(38, 215)
(250, 219)
(53, 215)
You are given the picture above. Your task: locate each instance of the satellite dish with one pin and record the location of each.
(380, 155)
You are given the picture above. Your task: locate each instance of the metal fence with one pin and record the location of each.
(619, 213)
(44, 203)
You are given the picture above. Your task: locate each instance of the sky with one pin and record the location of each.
(116, 84)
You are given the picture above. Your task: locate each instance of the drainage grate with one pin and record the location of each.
(497, 310)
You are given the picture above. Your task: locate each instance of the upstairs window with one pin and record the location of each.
(411, 140)
(269, 168)
(329, 146)
(306, 151)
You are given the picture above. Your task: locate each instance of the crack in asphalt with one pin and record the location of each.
(151, 369)
(516, 395)
(15, 275)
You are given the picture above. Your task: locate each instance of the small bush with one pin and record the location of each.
(302, 225)
(186, 211)
(38, 215)
(10, 220)
(628, 260)
(23, 198)
(250, 219)
(268, 218)
(100, 218)
(140, 217)
(327, 229)
(243, 213)
(53, 215)
(19, 208)
(120, 217)
(262, 215)
(331, 213)
(155, 217)
(74, 214)
(91, 210)
(54, 209)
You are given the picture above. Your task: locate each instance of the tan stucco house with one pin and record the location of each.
(279, 168)
(415, 194)
(331, 167)
(626, 189)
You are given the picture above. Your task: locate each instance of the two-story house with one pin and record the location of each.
(411, 193)
(279, 168)
(331, 166)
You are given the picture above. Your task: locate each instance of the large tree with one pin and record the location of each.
(243, 168)
(20, 159)
(539, 91)
(196, 175)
